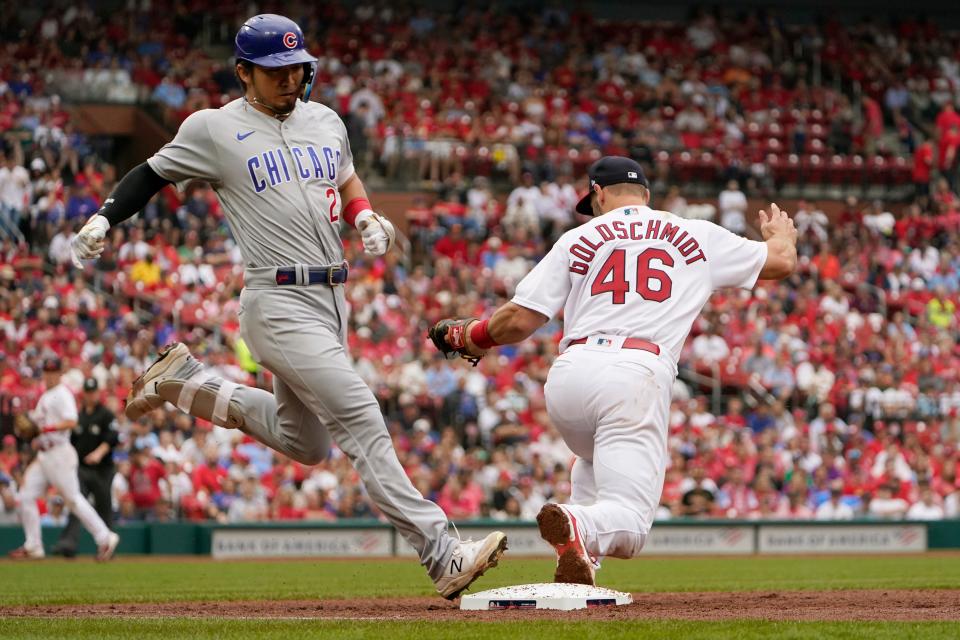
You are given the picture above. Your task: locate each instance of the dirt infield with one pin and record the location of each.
(762, 605)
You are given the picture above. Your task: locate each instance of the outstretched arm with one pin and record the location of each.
(471, 338)
(129, 197)
(509, 324)
(539, 296)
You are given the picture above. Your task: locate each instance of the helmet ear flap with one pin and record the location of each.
(309, 74)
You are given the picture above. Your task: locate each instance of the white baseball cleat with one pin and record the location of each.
(144, 395)
(468, 562)
(106, 550)
(178, 378)
(23, 553)
(559, 528)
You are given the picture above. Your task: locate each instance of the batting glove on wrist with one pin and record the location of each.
(376, 231)
(89, 243)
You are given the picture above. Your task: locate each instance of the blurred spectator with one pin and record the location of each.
(56, 515)
(145, 475)
(834, 508)
(885, 506)
(811, 222)
(710, 347)
(733, 208)
(169, 93)
(250, 505)
(146, 271)
(926, 507)
(8, 499)
(674, 202)
(922, 168)
(736, 499)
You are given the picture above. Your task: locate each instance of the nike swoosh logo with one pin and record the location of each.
(243, 136)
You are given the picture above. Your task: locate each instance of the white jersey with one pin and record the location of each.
(278, 181)
(55, 405)
(641, 273)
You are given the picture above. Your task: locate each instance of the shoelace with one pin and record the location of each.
(459, 539)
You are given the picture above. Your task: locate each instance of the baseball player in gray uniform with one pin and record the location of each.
(283, 170)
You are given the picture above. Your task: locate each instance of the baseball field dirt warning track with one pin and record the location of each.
(878, 605)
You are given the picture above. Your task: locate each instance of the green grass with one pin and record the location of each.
(159, 580)
(145, 629)
(156, 580)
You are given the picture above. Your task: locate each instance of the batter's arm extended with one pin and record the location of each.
(128, 197)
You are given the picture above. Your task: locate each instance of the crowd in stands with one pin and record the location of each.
(840, 387)
(724, 94)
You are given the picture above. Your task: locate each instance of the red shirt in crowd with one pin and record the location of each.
(946, 119)
(828, 266)
(462, 503)
(145, 483)
(207, 477)
(453, 248)
(923, 163)
(948, 147)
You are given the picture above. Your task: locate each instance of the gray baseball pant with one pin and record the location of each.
(299, 334)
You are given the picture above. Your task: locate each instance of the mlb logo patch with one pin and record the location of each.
(632, 174)
(604, 342)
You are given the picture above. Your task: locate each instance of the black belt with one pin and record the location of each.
(314, 275)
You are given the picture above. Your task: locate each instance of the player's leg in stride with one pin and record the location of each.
(284, 422)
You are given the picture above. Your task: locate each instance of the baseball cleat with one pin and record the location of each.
(559, 528)
(470, 559)
(144, 395)
(22, 553)
(106, 550)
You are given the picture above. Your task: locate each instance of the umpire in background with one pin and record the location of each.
(94, 439)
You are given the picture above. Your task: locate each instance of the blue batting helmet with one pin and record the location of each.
(269, 40)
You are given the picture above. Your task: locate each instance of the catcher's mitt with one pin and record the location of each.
(25, 428)
(450, 336)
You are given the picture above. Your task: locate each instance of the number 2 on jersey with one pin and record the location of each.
(332, 197)
(612, 276)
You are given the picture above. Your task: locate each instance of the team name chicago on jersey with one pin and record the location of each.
(585, 250)
(277, 167)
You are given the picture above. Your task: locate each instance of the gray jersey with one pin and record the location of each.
(278, 181)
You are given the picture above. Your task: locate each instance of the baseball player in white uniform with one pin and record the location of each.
(630, 283)
(283, 170)
(56, 464)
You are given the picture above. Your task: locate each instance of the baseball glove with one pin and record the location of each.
(25, 428)
(450, 336)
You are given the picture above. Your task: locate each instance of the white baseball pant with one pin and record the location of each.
(58, 467)
(611, 406)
